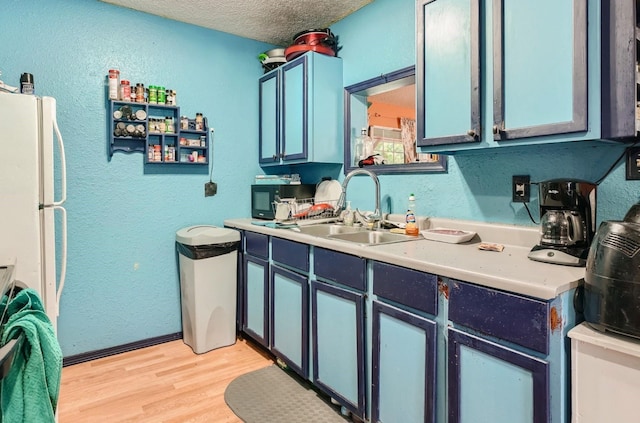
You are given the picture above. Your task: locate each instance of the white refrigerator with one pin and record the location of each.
(29, 137)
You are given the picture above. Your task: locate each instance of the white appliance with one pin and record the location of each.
(605, 370)
(27, 204)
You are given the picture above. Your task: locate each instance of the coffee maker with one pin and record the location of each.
(567, 222)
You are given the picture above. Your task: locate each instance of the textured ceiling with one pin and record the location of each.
(271, 21)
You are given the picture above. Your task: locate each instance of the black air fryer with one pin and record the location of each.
(612, 278)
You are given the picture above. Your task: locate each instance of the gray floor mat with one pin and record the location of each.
(271, 395)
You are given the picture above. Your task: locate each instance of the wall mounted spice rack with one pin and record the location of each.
(159, 132)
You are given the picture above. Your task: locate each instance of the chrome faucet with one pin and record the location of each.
(375, 218)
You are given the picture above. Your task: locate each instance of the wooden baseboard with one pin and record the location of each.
(94, 355)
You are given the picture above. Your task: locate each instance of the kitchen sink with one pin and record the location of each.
(324, 230)
(355, 234)
(372, 237)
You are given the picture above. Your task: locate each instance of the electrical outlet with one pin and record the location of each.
(521, 188)
(210, 189)
(633, 163)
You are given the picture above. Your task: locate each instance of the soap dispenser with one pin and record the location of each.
(347, 216)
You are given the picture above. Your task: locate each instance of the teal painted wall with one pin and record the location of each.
(122, 280)
(380, 38)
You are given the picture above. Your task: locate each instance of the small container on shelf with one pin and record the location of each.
(162, 99)
(125, 90)
(140, 93)
(157, 153)
(199, 122)
(171, 97)
(169, 125)
(152, 92)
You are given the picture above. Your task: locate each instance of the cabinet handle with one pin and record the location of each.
(497, 129)
(472, 133)
(275, 157)
(282, 155)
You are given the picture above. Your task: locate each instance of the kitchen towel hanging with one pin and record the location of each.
(29, 393)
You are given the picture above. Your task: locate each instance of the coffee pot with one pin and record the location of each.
(561, 228)
(567, 221)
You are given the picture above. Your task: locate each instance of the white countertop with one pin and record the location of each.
(608, 341)
(509, 270)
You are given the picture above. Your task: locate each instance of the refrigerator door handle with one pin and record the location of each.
(63, 256)
(63, 164)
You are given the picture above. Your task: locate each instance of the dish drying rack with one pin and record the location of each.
(307, 211)
(7, 352)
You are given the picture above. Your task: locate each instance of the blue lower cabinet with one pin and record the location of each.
(255, 321)
(338, 345)
(490, 383)
(404, 366)
(289, 318)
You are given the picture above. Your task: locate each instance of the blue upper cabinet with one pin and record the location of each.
(539, 68)
(505, 72)
(301, 112)
(448, 72)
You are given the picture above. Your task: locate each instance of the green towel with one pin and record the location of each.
(29, 393)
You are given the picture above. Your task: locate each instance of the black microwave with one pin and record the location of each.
(263, 197)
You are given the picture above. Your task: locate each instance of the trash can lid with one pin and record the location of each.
(206, 235)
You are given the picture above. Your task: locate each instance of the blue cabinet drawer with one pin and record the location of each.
(521, 320)
(290, 253)
(407, 287)
(256, 244)
(342, 268)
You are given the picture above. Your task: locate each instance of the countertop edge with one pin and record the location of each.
(510, 271)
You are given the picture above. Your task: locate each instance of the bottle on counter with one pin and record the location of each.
(347, 217)
(412, 227)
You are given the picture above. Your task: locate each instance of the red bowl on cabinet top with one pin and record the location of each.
(297, 50)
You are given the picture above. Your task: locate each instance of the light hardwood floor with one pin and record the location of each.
(162, 383)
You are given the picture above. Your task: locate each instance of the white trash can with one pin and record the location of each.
(208, 278)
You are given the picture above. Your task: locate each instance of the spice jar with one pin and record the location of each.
(169, 126)
(152, 94)
(171, 97)
(114, 83)
(157, 153)
(161, 95)
(139, 93)
(125, 90)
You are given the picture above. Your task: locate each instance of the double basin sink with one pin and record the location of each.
(355, 234)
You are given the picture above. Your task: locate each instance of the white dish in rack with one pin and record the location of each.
(452, 236)
(328, 192)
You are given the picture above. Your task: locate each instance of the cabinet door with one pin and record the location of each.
(404, 356)
(289, 318)
(539, 68)
(295, 111)
(490, 383)
(338, 345)
(448, 72)
(269, 118)
(256, 299)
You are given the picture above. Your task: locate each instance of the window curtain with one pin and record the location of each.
(408, 128)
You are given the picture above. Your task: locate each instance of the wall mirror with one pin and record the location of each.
(385, 108)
